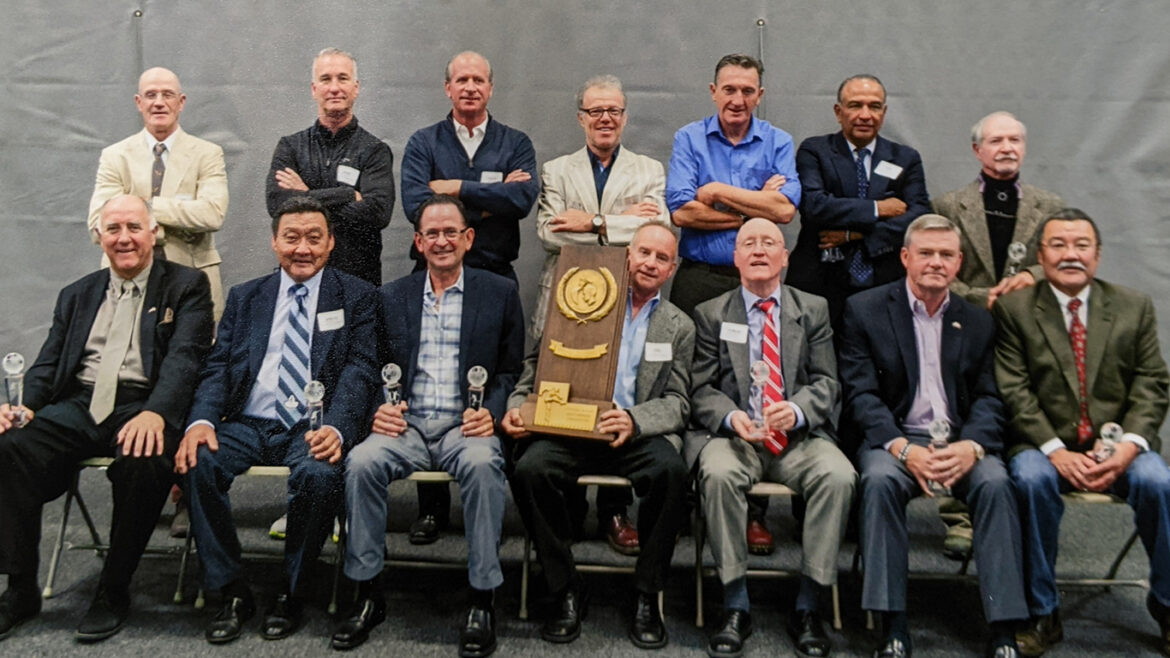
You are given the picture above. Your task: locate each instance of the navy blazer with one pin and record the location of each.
(491, 333)
(828, 179)
(174, 336)
(879, 367)
(342, 359)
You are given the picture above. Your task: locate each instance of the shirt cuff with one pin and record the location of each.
(1051, 445)
(889, 443)
(335, 431)
(875, 211)
(198, 423)
(1139, 440)
(800, 421)
(727, 422)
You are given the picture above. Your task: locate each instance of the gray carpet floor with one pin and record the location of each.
(425, 604)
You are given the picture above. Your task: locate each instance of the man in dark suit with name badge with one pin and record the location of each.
(113, 379)
(305, 322)
(1073, 354)
(917, 361)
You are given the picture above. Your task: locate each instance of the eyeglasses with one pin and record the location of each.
(451, 234)
(167, 95)
(1080, 246)
(597, 112)
(767, 244)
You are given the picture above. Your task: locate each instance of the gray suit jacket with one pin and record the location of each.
(808, 364)
(567, 182)
(964, 207)
(661, 402)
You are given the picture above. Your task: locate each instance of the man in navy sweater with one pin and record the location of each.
(491, 169)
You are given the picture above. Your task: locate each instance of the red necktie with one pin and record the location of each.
(1076, 333)
(774, 388)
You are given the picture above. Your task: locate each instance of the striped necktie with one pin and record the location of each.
(774, 388)
(294, 360)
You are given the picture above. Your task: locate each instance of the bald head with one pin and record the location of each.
(760, 256)
(159, 100)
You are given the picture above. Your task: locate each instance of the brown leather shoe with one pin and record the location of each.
(759, 540)
(1041, 634)
(622, 535)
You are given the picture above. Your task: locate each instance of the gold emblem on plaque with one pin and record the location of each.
(586, 295)
(553, 409)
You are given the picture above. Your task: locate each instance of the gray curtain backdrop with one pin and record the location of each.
(1090, 78)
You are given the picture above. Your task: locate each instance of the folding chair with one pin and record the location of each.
(71, 494)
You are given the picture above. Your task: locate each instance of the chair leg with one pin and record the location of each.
(524, 577)
(47, 593)
(339, 562)
(1121, 557)
(869, 620)
(183, 557)
(836, 607)
(93, 532)
(699, 530)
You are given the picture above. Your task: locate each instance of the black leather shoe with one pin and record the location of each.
(228, 623)
(893, 647)
(1041, 634)
(728, 641)
(16, 608)
(106, 615)
(283, 618)
(565, 623)
(355, 629)
(1002, 651)
(1161, 614)
(478, 637)
(646, 629)
(425, 529)
(808, 634)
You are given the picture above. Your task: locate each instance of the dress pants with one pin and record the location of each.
(545, 484)
(314, 496)
(813, 467)
(1145, 485)
(476, 463)
(887, 486)
(37, 464)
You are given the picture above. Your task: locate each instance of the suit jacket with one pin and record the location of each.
(491, 333)
(342, 359)
(721, 382)
(828, 177)
(879, 367)
(567, 182)
(1125, 374)
(964, 207)
(175, 334)
(662, 402)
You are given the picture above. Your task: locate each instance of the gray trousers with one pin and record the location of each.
(886, 487)
(477, 464)
(814, 468)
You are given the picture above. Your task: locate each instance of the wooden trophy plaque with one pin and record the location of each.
(581, 342)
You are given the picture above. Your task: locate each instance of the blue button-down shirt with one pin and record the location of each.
(930, 399)
(630, 354)
(702, 154)
(435, 390)
(600, 172)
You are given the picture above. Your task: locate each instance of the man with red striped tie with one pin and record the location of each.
(767, 397)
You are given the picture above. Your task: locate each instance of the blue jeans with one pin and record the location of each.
(1145, 485)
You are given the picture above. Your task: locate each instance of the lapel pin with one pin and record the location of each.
(956, 325)
(152, 309)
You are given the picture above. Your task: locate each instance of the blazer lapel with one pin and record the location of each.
(878, 184)
(87, 308)
(329, 298)
(652, 373)
(903, 325)
(845, 164)
(974, 221)
(261, 309)
(414, 324)
(581, 175)
(738, 353)
(467, 328)
(612, 194)
(178, 160)
(1097, 334)
(1050, 319)
(791, 340)
(150, 317)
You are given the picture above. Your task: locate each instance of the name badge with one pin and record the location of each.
(347, 175)
(888, 170)
(657, 352)
(491, 177)
(331, 320)
(733, 332)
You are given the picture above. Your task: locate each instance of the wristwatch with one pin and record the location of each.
(598, 227)
(980, 453)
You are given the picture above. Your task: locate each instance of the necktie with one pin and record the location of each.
(1076, 334)
(859, 268)
(105, 385)
(156, 174)
(774, 388)
(294, 360)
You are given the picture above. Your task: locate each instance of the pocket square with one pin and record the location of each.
(168, 316)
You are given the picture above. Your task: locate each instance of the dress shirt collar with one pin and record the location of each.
(169, 141)
(918, 307)
(750, 299)
(313, 283)
(712, 127)
(595, 162)
(429, 291)
(647, 308)
(1064, 299)
(475, 132)
(138, 281)
(870, 146)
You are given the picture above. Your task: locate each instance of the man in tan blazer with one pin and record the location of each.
(185, 184)
(996, 211)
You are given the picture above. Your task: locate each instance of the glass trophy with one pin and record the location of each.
(391, 375)
(14, 384)
(315, 401)
(477, 377)
(1015, 258)
(1107, 444)
(760, 373)
(940, 433)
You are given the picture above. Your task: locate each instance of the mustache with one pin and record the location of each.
(1070, 265)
